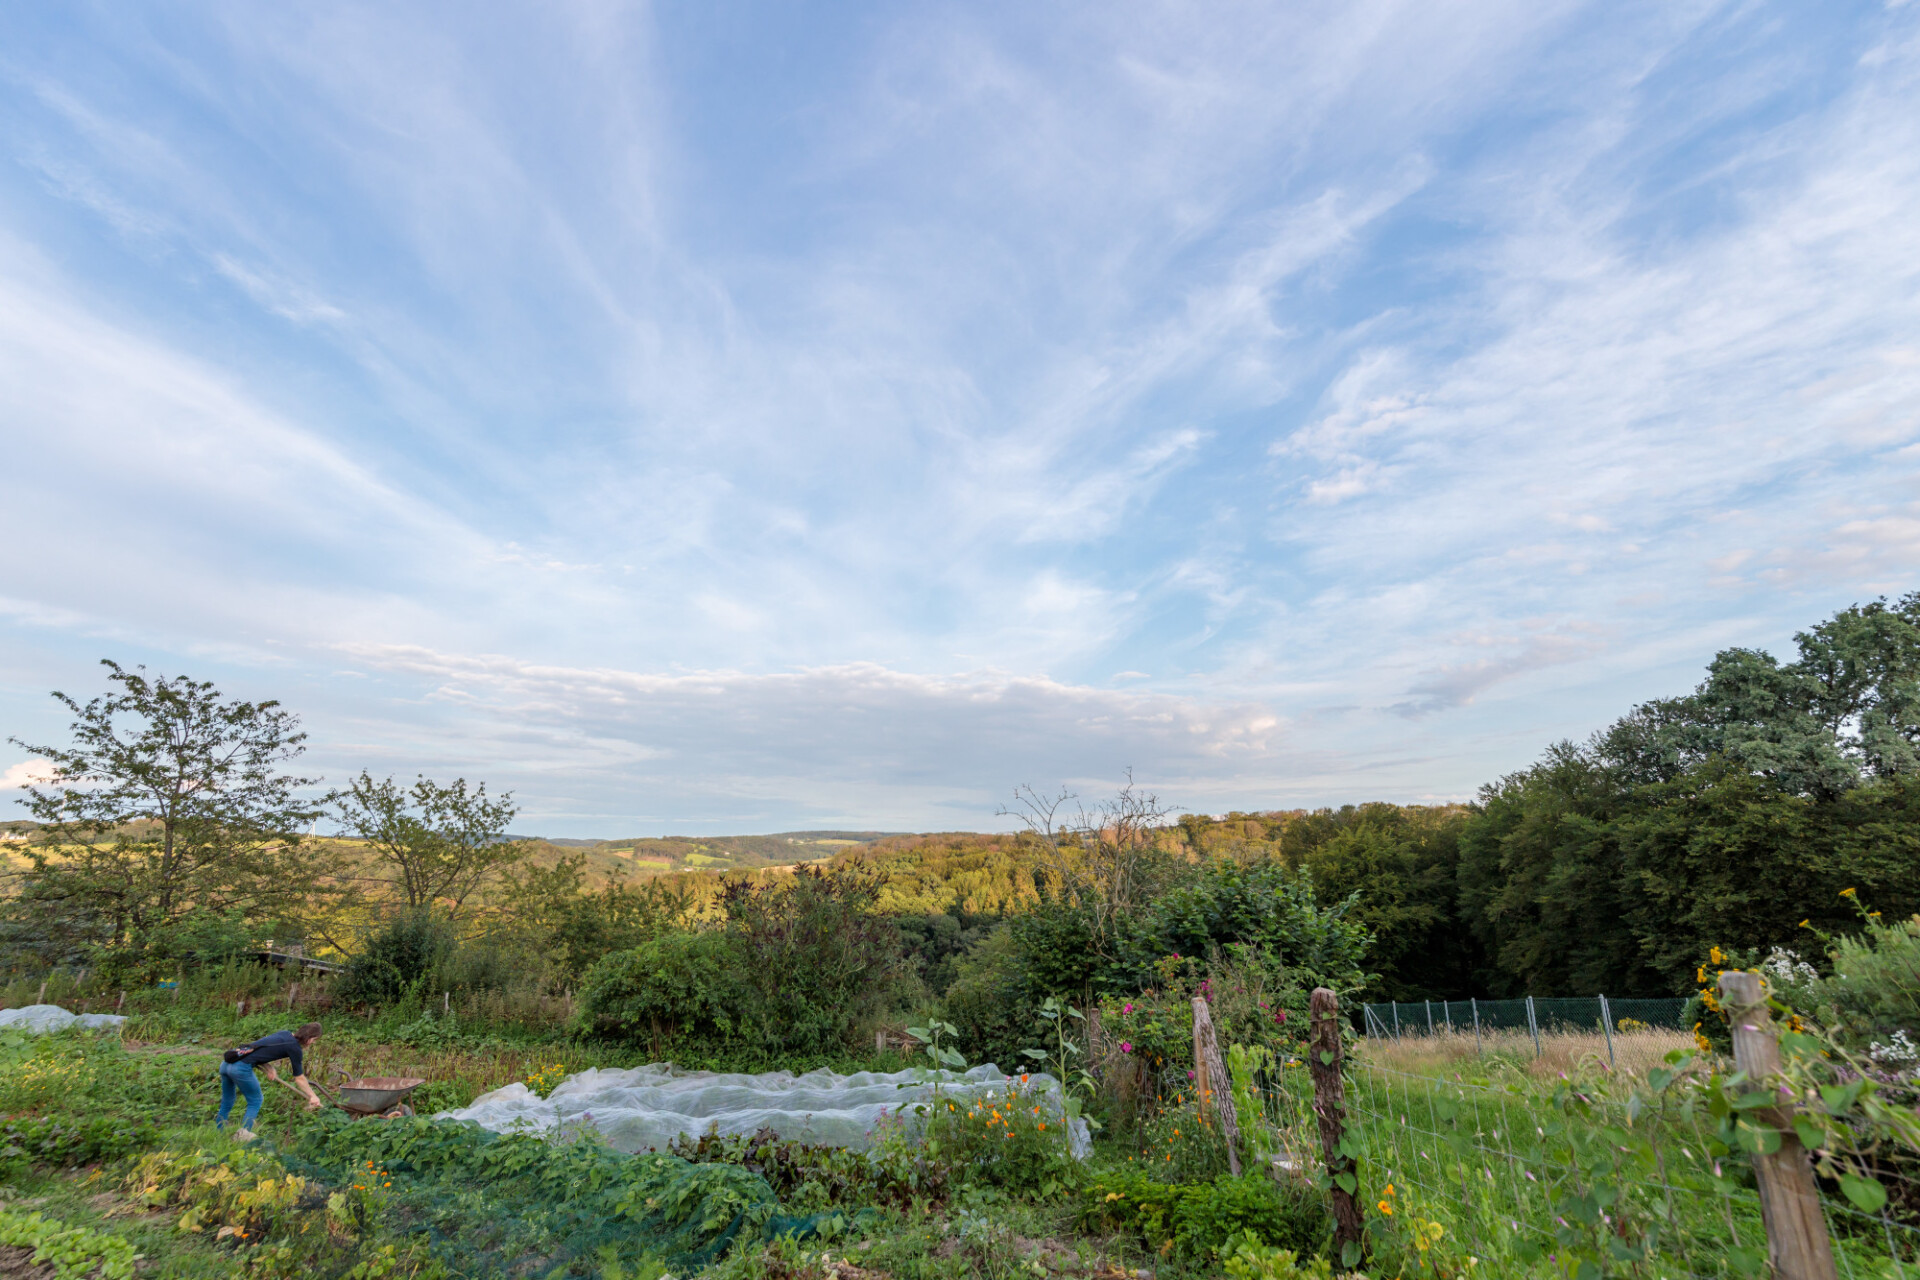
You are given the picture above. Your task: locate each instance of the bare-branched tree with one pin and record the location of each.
(1104, 856)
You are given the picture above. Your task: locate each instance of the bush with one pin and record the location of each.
(1196, 1224)
(397, 960)
(678, 987)
(1872, 996)
(194, 943)
(820, 964)
(988, 1001)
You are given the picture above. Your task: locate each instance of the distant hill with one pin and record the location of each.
(647, 856)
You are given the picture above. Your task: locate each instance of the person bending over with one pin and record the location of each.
(236, 1075)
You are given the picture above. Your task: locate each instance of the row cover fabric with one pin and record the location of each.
(644, 1108)
(42, 1018)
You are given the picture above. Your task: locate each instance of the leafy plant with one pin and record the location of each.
(72, 1252)
(1074, 1082)
(943, 1057)
(1195, 1224)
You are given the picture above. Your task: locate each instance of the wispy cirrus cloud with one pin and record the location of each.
(1383, 390)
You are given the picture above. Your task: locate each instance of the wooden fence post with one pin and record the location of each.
(1210, 1078)
(1797, 1243)
(1324, 1052)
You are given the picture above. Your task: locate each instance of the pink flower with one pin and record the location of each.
(1126, 1046)
(1189, 1075)
(1126, 1008)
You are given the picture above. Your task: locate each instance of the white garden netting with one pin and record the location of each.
(647, 1107)
(42, 1018)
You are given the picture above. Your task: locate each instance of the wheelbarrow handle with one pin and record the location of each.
(316, 1084)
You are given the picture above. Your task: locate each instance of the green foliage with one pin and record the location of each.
(1260, 909)
(818, 960)
(72, 1252)
(67, 1141)
(934, 945)
(1399, 865)
(1196, 1224)
(556, 923)
(505, 1197)
(439, 844)
(675, 988)
(400, 958)
(1246, 1258)
(899, 1172)
(1014, 1141)
(1871, 998)
(168, 799)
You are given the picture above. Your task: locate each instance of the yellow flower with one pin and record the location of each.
(1386, 1207)
(1849, 893)
(1805, 925)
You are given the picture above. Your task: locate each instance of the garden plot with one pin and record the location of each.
(647, 1107)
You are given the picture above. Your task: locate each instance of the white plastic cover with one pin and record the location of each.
(42, 1018)
(649, 1106)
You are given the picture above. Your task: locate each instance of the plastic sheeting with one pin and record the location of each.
(647, 1107)
(42, 1018)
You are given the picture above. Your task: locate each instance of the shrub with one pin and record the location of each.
(396, 960)
(988, 1000)
(1196, 1224)
(818, 961)
(195, 942)
(680, 986)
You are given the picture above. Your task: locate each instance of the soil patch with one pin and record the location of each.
(16, 1263)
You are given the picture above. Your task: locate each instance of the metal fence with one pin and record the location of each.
(1533, 1014)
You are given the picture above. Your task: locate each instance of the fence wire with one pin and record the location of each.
(1526, 1186)
(1541, 1014)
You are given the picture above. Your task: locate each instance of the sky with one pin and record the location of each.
(720, 418)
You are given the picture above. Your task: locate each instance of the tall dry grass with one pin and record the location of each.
(1446, 1053)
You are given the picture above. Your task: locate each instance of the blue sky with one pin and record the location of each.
(736, 417)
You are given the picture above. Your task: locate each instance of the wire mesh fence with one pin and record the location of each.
(1511, 1175)
(1532, 1014)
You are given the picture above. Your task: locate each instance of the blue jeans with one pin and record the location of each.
(239, 1075)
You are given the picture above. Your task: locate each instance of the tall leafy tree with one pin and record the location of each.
(437, 844)
(171, 799)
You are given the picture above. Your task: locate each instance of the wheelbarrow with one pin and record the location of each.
(383, 1096)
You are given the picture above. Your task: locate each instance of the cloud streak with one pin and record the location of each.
(685, 422)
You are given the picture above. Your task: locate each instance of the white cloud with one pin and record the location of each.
(36, 772)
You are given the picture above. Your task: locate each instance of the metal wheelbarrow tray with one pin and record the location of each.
(377, 1095)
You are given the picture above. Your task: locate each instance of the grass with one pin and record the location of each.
(1560, 1052)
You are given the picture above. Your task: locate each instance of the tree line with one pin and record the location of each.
(175, 826)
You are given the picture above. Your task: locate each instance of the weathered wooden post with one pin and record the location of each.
(1606, 1024)
(1210, 1078)
(1324, 1052)
(1797, 1243)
